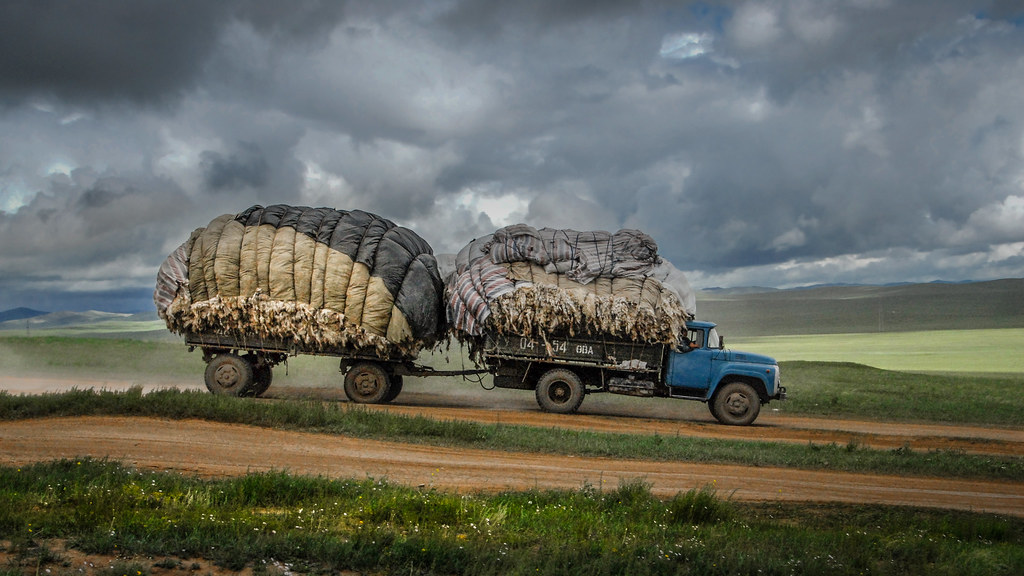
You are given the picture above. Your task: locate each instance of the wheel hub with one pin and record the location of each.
(737, 404)
(560, 392)
(227, 376)
(366, 384)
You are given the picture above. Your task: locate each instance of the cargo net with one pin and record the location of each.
(525, 281)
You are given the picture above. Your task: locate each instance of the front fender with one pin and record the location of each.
(761, 377)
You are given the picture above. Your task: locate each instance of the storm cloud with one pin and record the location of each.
(778, 143)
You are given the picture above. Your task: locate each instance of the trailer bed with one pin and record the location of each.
(286, 346)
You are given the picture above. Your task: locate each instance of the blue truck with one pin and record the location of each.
(562, 371)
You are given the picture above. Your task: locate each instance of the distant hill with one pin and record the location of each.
(63, 319)
(739, 290)
(19, 314)
(860, 309)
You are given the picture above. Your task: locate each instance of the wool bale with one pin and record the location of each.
(227, 260)
(248, 279)
(321, 277)
(519, 280)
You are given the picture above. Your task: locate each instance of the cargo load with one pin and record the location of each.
(541, 282)
(319, 277)
(561, 313)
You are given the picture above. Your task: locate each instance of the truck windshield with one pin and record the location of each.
(713, 340)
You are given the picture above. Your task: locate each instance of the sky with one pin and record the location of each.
(760, 143)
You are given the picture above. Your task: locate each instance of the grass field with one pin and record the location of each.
(276, 524)
(999, 351)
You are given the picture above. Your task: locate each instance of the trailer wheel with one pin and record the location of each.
(228, 374)
(367, 383)
(262, 375)
(736, 404)
(560, 391)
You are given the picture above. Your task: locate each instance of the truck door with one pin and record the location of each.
(689, 373)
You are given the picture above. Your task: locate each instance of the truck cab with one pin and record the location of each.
(734, 384)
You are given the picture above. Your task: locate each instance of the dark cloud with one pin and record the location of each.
(137, 51)
(246, 166)
(483, 19)
(143, 52)
(304, 21)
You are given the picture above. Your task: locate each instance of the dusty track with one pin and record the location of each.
(213, 449)
(768, 428)
(216, 450)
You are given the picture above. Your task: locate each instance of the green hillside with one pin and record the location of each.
(866, 309)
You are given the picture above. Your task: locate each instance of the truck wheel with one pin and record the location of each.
(262, 375)
(367, 383)
(228, 374)
(736, 404)
(560, 391)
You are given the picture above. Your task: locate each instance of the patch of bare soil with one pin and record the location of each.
(54, 558)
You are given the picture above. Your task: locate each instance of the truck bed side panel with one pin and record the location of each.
(610, 354)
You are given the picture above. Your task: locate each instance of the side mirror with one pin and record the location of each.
(721, 342)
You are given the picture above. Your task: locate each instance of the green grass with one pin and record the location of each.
(86, 357)
(316, 525)
(842, 390)
(964, 351)
(356, 421)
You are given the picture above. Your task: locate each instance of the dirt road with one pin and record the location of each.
(214, 449)
(665, 418)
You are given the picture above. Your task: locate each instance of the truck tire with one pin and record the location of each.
(560, 391)
(228, 374)
(736, 404)
(262, 376)
(367, 383)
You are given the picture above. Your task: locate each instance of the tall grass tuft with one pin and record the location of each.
(697, 507)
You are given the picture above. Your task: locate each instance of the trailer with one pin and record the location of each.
(240, 365)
